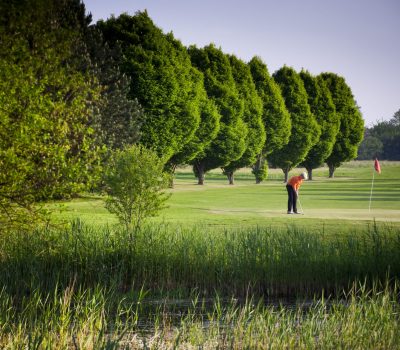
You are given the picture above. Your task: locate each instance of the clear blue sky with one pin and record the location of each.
(357, 39)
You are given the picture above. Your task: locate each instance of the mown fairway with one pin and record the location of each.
(326, 203)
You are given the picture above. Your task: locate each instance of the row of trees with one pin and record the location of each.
(210, 109)
(72, 93)
(382, 140)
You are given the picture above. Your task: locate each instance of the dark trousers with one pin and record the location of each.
(292, 199)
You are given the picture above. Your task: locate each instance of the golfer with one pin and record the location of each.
(293, 186)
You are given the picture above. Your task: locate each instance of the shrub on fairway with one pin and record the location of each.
(135, 181)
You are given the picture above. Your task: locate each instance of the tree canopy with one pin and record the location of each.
(275, 116)
(305, 131)
(230, 142)
(47, 146)
(321, 104)
(204, 135)
(351, 129)
(252, 116)
(162, 79)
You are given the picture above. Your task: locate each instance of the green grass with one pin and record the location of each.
(330, 203)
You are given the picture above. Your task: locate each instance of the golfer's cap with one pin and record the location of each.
(304, 176)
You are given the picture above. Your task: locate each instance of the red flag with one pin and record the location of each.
(377, 166)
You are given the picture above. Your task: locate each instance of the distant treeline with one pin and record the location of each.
(382, 140)
(71, 93)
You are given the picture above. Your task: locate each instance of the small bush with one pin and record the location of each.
(135, 183)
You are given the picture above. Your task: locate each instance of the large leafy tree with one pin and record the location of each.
(47, 146)
(305, 131)
(351, 129)
(252, 116)
(162, 79)
(276, 117)
(230, 142)
(320, 101)
(204, 135)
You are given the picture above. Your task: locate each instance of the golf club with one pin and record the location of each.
(301, 207)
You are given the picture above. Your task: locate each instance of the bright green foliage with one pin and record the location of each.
(230, 142)
(321, 104)
(276, 118)
(135, 183)
(204, 135)
(260, 169)
(162, 79)
(351, 130)
(117, 118)
(46, 145)
(252, 116)
(305, 131)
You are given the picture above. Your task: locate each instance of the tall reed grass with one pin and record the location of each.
(92, 319)
(257, 261)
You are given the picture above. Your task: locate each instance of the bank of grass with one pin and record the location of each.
(169, 259)
(86, 288)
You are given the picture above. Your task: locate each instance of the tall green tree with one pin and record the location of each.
(252, 116)
(276, 117)
(321, 104)
(204, 135)
(162, 79)
(47, 147)
(230, 142)
(351, 129)
(305, 131)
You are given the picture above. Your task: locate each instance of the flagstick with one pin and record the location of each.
(372, 186)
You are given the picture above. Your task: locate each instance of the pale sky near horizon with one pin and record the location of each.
(357, 39)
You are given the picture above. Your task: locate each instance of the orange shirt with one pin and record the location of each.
(295, 182)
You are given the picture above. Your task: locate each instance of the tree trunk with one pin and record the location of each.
(331, 171)
(257, 168)
(286, 172)
(172, 178)
(199, 172)
(309, 171)
(201, 178)
(230, 177)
